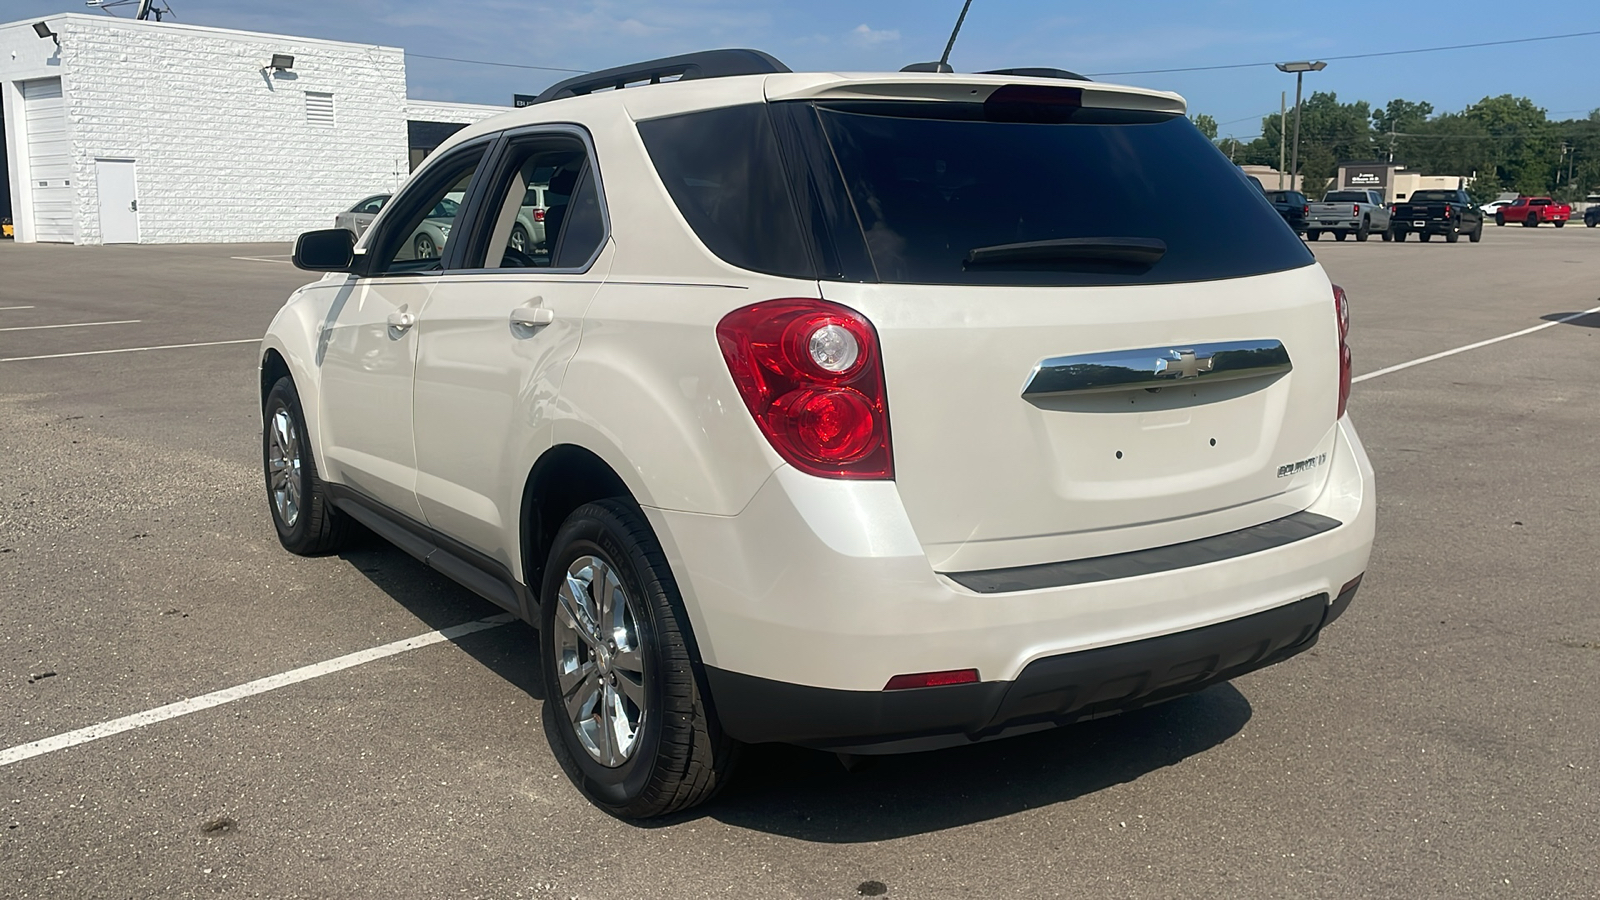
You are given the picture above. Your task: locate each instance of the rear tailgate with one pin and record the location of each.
(1081, 466)
(993, 479)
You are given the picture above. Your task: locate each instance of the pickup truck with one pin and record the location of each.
(1532, 211)
(1291, 205)
(1348, 212)
(1450, 213)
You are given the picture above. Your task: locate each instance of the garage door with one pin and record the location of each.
(49, 160)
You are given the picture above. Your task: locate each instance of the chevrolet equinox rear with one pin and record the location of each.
(871, 413)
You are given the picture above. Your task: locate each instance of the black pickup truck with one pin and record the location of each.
(1450, 213)
(1292, 205)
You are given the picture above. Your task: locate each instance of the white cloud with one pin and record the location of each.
(869, 37)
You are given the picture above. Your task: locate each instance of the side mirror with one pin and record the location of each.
(328, 250)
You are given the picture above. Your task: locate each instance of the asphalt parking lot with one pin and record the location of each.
(1443, 740)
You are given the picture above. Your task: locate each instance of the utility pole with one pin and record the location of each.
(1283, 113)
(1299, 69)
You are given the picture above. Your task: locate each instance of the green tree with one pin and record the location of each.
(1528, 147)
(1207, 125)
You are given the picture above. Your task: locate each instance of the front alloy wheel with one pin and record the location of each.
(302, 513)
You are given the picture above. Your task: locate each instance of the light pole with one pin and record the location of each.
(1299, 69)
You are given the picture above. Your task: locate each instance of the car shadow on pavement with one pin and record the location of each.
(510, 651)
(808, 795)
(1588, 320)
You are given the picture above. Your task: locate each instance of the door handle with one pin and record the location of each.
(532, 316)
(134, 206)
(401, 321)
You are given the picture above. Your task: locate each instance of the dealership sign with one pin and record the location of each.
(1366, 176)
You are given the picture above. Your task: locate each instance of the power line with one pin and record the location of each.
(1548, 37)
(481, 62)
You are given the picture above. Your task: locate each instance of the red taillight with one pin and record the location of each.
(1305, 210)
(810, 373)
(932, 679)
(538, 215)
(1447, 211)
(1341, 310)
(1355, 209)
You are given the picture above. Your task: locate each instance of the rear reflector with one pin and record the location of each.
(932, 679)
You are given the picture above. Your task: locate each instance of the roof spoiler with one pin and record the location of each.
(1027, 72)
(706, 64)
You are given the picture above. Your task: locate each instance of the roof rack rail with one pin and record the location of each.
(1027, 72)
(705, 64)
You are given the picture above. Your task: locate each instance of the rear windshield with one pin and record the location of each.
(1434, 197)
(904, 193)
(1346, 197)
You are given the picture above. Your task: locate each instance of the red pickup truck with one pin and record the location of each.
(1531, 211)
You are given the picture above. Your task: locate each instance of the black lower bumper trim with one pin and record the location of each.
(1052, 691)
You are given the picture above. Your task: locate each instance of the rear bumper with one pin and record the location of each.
(824, 584)
(1429, 226)
(1052, 691)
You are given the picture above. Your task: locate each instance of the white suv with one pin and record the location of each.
(871, 413)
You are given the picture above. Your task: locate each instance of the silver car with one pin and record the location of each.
(356, 219)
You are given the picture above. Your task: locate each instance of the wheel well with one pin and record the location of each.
(565, 478)
(272, 368)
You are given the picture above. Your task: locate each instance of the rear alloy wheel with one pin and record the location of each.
(306, 520)
(1364, 230)
(426, 248)
(625, 708)
(519, 238)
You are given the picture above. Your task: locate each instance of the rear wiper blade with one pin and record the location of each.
(1116, 252)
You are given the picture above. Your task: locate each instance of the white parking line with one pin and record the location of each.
(1494, 340)
(239, 692)
(71, 325)
(129, 350)
(286, 261)
(15, 307)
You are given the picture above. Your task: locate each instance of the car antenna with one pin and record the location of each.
(943, 65)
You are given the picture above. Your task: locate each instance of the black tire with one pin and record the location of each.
(314, 526)
(1452, 236)
(1531, 222)
(1477, 233)
(1423, 236)
(1559, 223)
(680, 757)
(1388, 235)
(1340, 235)
(1313, 234)
(1590, 223)
(1364, 230)
(519, 238)
(1499, 219)
(1400, 235)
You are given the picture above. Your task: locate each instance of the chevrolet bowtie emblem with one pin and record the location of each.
(1183, 364)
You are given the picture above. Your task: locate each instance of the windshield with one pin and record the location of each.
(1346, 197)
(1434, 197)
(928, 191)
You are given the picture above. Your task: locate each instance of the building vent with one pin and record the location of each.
(319, 109)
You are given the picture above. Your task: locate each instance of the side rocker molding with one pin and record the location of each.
(458, 562)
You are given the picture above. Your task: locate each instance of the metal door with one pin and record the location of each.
(119, 200)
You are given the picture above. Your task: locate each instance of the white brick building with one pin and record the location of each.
(150, 132)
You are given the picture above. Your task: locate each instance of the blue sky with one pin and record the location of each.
(886, 34)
